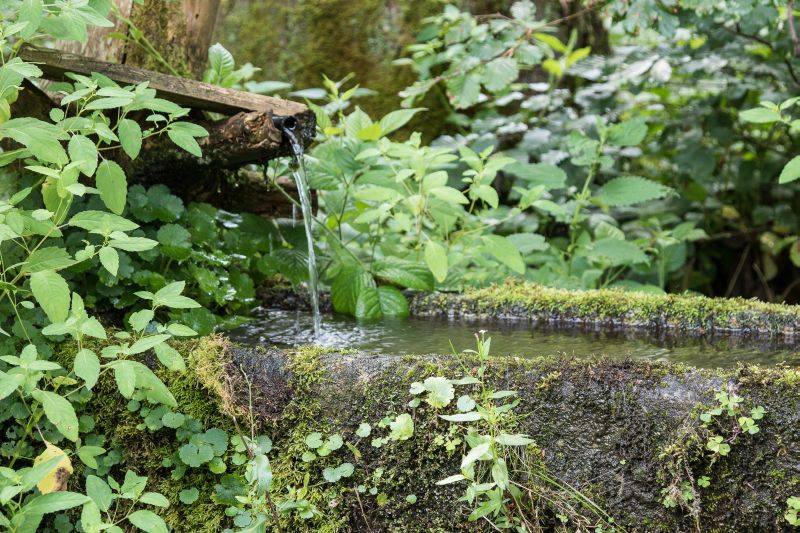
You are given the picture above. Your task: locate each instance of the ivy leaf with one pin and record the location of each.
(52, 293)
(113, 186)
(59, 412)
(630, 190)
(402, 427)
(504, 251)
(440, 391)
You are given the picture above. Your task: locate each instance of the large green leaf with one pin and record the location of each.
(630, 190)
(347, 286)
(504, 251)
(393, 302)
(113, 186)
(404, 273)
(760, 115)
(54, 502)
(368, 304)
(50, 258)
(397, 119)
(87, 367)
(41, 138)
(59, 412)
(52, 293)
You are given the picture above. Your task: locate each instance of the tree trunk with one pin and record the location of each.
(173, 38)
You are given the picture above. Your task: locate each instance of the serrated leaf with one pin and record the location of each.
(59, 412)
(404, 273)
(347, 286)
(82, 149)
(630, 190)
(499, 73)
(87, 367)
(109, 258)
(628, 133)
(130, 136)
(113, 186)
(52, 293)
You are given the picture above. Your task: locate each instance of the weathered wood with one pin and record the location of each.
(182, 91)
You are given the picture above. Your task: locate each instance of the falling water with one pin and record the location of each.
(300, 178)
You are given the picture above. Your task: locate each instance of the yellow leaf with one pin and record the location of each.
(57, 478)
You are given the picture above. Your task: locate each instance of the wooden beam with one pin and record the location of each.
(190, 93)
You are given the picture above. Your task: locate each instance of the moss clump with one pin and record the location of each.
(528, 301)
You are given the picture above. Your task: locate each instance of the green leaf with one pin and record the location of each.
(402, 427)
(504, 251)
(346, 287)
(397, 119)
(87, 367)
(221, 64)
(368, 305)
(52, 293)
(81, 148)
(551, 176)
(440, 391)
(9, 383)
(59, 412)
(88, 455)
(760, 115)
(146, 343)
(436, 259)
(404, 273)
(791, 171)
(183, 135)
(130, 136)
(154, 498)
(462, 417)
(464, 90)
(619, 252)
(189, 496)
(50, 258)
(169, 357)
(125, 376)
(630, 190)
(140, 319)
(552, 41)
(113, 186)
(54, 502)
(528, 242)
(99, 491)
(100, 221)
(392, 301)
(109, 258)
(499, 73)
(41, 138)
(147, 521)
(363, 430)
(514, 440)
(628, 133)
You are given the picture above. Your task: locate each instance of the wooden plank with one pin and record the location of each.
(190, 93)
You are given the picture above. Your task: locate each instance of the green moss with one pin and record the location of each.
(528, 301)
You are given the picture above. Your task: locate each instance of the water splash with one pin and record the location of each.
(301, 179)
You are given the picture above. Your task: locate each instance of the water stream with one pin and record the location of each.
(301, 179)
(433, 336)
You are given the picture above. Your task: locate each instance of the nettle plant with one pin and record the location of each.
(40, 398)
